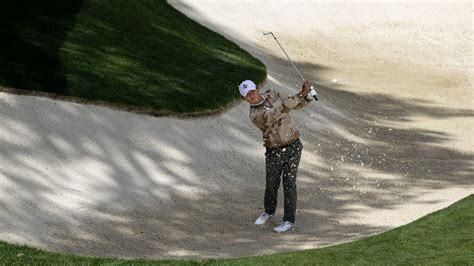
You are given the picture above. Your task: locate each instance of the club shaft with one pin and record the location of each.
(289, 59)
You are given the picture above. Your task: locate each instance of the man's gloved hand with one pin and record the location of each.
(311, 94)
(306, 88)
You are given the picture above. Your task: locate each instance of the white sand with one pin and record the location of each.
(390, 142)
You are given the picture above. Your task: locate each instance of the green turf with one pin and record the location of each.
(444, 237)
(141, 53)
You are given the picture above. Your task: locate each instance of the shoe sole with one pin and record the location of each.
(283, 231)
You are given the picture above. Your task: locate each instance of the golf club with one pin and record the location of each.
(313, 92)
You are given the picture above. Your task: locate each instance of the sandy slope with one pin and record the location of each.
(388, 143)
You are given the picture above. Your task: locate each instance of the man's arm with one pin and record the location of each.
(298, 100)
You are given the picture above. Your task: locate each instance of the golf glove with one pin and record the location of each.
(311, 94)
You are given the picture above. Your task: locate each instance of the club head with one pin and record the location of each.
(265, 33)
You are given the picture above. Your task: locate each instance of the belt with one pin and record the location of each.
(286, 145)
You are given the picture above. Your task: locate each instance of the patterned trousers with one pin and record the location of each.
(282, 161)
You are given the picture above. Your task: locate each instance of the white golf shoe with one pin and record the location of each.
(283, 227)
(263, 218)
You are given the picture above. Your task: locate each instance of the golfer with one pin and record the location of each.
(269, 111)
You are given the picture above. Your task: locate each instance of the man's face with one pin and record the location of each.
(253, 96)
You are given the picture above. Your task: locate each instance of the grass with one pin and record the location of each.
(137, 53)
(443, 237)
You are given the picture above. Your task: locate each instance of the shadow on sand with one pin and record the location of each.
(89, 180)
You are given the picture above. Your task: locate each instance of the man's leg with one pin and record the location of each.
(273, 169)
(290, 169)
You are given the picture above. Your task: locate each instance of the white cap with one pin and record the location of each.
(246, 86)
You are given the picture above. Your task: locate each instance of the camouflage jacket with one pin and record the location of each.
(273, 119)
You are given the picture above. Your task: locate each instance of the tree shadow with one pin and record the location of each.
(93, 181)
(33, 32)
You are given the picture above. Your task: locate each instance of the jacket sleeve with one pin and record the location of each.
(295, 102)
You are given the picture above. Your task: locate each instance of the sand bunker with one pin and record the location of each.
(389, 142)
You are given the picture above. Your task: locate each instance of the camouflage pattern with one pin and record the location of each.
(273, 119)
